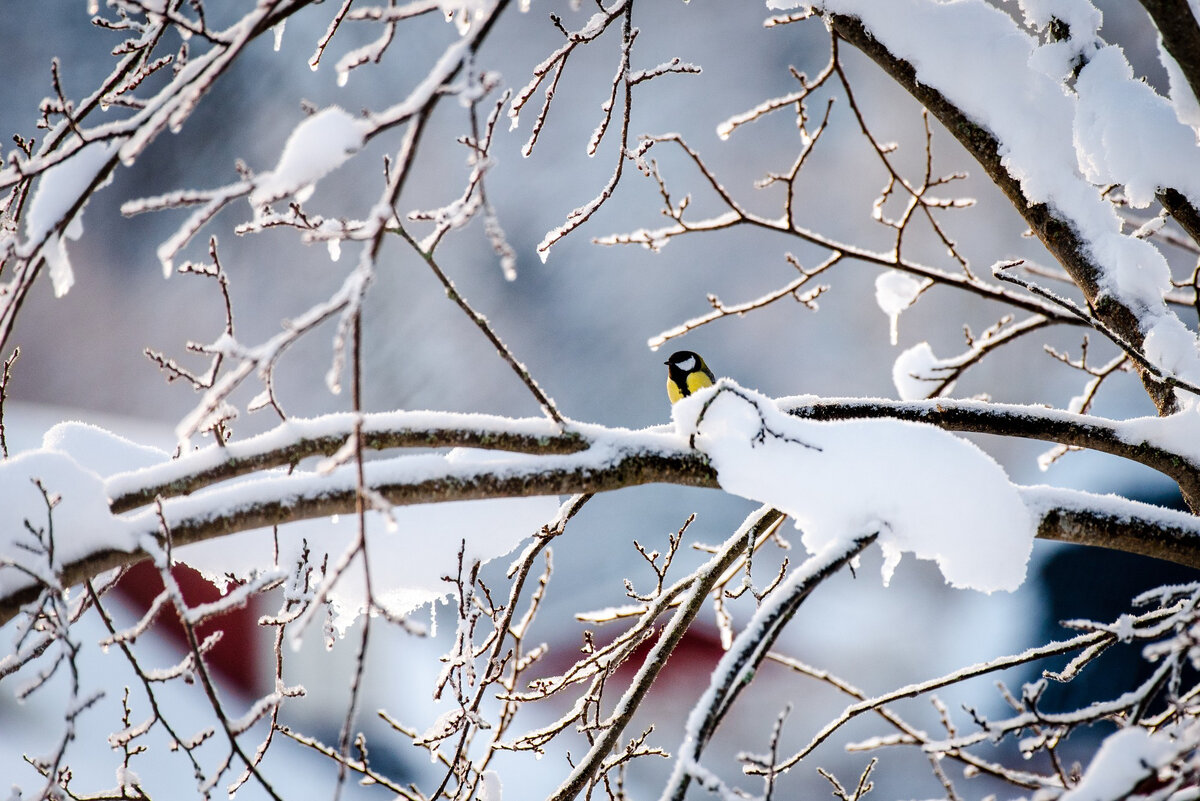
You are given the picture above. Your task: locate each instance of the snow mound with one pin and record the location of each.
(317, 147)
(925, 491)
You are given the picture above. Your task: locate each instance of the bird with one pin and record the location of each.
(686, 373)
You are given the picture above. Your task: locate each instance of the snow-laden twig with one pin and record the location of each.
(301, 438)
(749, 648)
(1090, 643)
(737, 215)
(701, 584)
(720, 310)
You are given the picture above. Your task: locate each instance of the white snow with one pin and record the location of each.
(100, 451)
(78, 525)
(1126, 133)
(317, 146)
(1110, 125)
(1124, 759)
(925, 491)
(70, 464)
(895, 291)
(915, 372)
(58, 190)
(1178, 433)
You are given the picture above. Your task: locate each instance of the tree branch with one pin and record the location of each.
(1063, 516)
(1056, 232)
(298, 439)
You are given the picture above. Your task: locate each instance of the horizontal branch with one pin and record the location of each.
(1082, 518)
(295, 440)
(401, 481)
(545, 460)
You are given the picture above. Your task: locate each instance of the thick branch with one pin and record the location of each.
(1056, 232)
(289, 499)
(1063, 516)
(1083, 519)
(1180, 36)
(297, 439)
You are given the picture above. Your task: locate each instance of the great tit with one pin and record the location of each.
(686, 373)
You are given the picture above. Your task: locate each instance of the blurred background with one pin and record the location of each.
(580, 322)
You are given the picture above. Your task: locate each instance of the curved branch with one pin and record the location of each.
(1055, 231)
(1082, 518)
(298, 439)
(402, 481)
(589, 459)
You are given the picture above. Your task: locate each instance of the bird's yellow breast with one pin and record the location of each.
(697, 379)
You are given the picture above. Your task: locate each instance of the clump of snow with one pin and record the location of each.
(1058, 59)
(1125, 759)
(1144, 146)
(916, 372)
(894, 292)
(58, 190)
(1170, 345)
(925, 491)
(78, 525)
(1081, 16)
(318, 146)
(99, 450)
(1177, 433)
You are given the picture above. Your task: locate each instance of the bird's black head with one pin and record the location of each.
(684, 360)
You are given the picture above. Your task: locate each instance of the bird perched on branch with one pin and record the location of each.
(686, 373)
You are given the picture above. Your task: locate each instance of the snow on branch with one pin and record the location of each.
(300, 438)
(732, 438)
(979, 99)
(1157, 442)
(75, 159)
(917, 488)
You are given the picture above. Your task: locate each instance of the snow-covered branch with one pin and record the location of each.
(1077, 230)
(542, 460)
